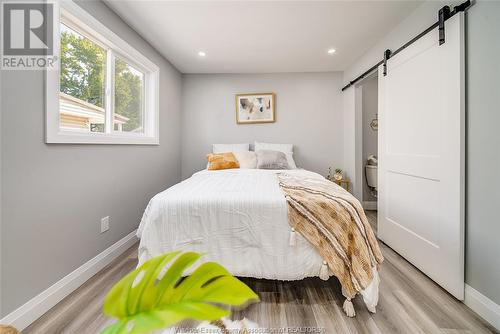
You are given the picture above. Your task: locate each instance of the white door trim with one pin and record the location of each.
(358, 142)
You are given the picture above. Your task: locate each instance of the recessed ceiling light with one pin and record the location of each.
(201, 54)
(331, 51)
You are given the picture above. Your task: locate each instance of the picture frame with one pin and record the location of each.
(252, 108)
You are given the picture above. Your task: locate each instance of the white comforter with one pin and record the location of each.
(238, 217)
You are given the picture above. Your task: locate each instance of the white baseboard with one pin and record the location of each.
(482, 305)
(370, 205)
(36, 307)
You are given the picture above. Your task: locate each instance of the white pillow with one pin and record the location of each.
(246, 159)
(285, 148)
(224, 148)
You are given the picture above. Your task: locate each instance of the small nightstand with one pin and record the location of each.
(344, 183)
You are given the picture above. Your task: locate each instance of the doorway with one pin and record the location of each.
(367, 142)
(370, 142)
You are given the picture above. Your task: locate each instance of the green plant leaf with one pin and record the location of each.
(156, 296)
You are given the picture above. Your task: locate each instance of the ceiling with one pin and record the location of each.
(262, 36)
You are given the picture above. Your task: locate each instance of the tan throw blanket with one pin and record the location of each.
(334, 222)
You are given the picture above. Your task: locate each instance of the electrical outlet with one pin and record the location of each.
(104, 224)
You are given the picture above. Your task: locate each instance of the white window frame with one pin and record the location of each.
(80, 20)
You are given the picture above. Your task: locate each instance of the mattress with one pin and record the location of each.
(238, 217)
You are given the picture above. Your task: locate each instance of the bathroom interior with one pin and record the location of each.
(369, 142)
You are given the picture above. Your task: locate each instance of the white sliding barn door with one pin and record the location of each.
(421, 155)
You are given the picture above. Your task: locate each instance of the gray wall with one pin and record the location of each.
(370, 137)
(308, 115)
(54, 195)
(483, 153)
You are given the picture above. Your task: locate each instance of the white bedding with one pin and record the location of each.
(237, 216)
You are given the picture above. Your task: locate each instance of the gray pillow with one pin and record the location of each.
(267, 159)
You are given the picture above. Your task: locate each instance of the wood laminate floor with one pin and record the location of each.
(409, 303)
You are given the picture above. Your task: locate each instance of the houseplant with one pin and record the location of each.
(156, 296)
(338, 174)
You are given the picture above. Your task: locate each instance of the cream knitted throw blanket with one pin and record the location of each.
(333, 221)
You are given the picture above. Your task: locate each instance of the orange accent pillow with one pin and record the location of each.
(222, 161)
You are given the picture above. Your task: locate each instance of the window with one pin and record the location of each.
(105, 92)
(129, 97)
(82, 83)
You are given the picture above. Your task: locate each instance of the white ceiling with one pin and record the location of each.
(262, 36)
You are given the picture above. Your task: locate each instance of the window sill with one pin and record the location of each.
(68, 137)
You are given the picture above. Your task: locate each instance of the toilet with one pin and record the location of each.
(371, 176)
(371, 173)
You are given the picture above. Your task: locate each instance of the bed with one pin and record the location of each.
(239, 218)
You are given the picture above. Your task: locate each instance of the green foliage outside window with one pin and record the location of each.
(83, 71)
(128, 94)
